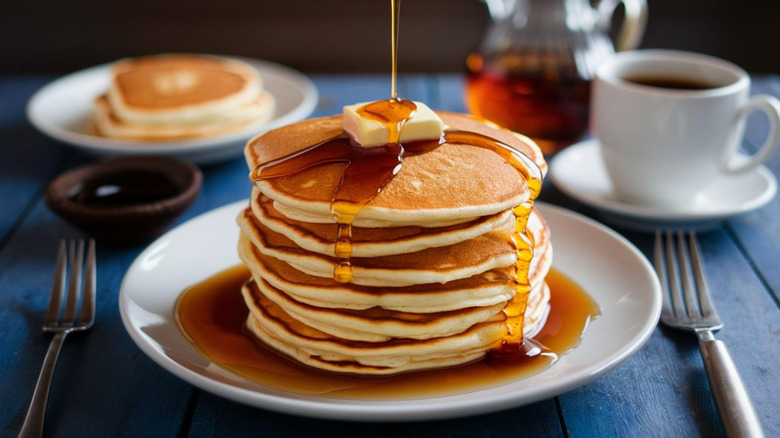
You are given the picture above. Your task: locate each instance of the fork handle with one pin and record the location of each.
(736, 411)
(33, 422)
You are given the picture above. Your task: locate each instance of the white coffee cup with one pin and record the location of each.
(662, 146)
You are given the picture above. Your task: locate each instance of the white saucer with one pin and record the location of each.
(579, 172)
(62, 110)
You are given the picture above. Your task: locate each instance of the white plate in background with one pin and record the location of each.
(62, 110)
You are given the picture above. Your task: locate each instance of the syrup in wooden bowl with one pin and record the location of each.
(126, 187)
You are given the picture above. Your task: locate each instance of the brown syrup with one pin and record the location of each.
(551, 109)
(212, 315)
(125, 187)
(368, 170)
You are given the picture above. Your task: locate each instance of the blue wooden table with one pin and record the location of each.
(105, 386)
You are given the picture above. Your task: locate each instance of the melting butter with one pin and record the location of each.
(423, 124)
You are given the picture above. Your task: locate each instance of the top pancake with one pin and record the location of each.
(175, 88)
(446, 185)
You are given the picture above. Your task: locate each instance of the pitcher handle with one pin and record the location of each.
(634, 23)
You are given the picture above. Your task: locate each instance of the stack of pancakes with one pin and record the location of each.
(169, 97)
(433, 258)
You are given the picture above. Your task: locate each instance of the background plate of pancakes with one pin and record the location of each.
(63, 110)
(607, 266)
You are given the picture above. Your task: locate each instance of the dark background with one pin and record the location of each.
(46, 36)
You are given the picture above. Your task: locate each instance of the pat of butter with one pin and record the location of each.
(424, 124)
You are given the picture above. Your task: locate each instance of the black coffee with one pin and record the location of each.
(670, 82)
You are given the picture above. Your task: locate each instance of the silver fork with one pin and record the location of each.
(687, 305)
(79, 315)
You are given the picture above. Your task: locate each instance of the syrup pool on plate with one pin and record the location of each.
(212, 313)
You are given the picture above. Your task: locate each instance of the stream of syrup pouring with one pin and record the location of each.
(370, 169)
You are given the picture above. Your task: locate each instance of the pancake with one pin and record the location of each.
(315, 348)
(376, 338)
(488, 288)
(180, 89)
(371, 242)
(176, 96)
(433, 265)
(444, 186)
(436, 256)
(377, 324)
(254, 113)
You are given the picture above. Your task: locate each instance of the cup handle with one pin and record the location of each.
(769, 106)
(634, 22)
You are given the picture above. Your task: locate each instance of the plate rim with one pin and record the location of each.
(102, 146)
(654, 213)
(430, 408)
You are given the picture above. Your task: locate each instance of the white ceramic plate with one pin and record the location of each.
(606, 265)
(62, 110)
(579, 172)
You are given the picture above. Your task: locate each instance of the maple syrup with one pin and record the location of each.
(212, 314)
(552, 110)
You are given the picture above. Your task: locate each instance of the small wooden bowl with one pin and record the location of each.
(128, 217)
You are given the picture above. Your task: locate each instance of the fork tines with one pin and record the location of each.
(687, 302)
(79, 312)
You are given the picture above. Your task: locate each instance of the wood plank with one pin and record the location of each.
(29, 160)
(103, 364)
(97, 390)
(95, 369)
(758, 232)
(219, 417)
(662, 390)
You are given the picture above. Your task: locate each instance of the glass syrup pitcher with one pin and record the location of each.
(532, 71)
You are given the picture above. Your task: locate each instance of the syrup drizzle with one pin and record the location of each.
(513, 346)
(395, 5)
(369, 170)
